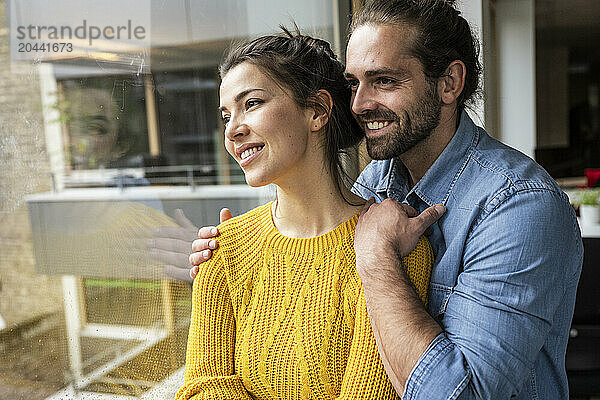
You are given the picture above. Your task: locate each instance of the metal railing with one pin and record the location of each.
(180, 175)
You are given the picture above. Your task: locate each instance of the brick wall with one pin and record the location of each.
(24, 169)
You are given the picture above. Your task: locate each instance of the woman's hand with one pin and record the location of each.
(201, 248)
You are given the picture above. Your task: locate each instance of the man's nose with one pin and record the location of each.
(363, 100)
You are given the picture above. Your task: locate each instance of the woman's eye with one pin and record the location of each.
(252, 102)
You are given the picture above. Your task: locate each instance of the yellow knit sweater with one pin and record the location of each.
(275, 317)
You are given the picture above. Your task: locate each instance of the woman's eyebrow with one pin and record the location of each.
(241, 95)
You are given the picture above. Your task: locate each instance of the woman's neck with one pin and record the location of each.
(312, 206)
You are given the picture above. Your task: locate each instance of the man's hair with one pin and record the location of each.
(442, 36)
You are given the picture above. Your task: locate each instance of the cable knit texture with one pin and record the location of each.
(275, 317)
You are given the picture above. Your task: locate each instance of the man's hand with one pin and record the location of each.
(201, 248)
(402, 327)
(391, 229)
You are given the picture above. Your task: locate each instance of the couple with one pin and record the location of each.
(280, 309)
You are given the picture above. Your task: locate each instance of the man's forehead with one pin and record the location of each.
(379, 46)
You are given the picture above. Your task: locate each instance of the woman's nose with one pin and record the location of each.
(235, 130)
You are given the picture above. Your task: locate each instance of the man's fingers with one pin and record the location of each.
(180, 274)
(199, 257)
(429, 216)
(204, 244)
(411, 212)
(208, 232)
(194, 272)
(183, 221)
(224, 215)
(367, 205)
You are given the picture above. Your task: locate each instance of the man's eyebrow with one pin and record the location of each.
(375, 72)
(384, 71)
(240, 96)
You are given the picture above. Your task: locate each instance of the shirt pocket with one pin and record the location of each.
(438, 299)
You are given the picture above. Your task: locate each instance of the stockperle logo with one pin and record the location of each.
(94, 34)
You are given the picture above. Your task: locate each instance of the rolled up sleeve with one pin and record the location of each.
(521, 265)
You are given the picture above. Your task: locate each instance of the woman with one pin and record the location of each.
(278, 311)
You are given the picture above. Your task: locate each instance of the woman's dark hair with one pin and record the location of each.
(304, 65)
(443, 36)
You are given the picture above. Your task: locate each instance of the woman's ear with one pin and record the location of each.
(322, 110)
(451, 84)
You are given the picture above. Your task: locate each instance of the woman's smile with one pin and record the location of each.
(248, 155)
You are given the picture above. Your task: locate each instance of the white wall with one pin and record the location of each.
(473, 12)
(515, 41)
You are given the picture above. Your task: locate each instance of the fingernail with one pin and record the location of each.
(212, 244)
(213, 231)
(440, 209)
(206, 253)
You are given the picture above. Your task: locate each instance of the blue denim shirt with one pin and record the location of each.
(508, 255)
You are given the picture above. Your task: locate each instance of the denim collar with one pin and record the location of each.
(437, 183)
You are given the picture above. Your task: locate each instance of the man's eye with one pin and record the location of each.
(353, 84)
(225, 119)
(385, 81)
(252, 102)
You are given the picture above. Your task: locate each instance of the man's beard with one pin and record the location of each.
(415, 126)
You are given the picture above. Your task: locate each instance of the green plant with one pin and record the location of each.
(590, 197)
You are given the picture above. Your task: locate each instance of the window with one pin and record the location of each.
(97, 150)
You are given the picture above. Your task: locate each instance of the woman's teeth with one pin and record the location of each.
(377, 125)
(251, 151)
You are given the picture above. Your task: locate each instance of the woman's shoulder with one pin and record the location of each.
(251, 224)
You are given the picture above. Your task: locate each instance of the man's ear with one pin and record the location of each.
(452, 83)
(322, 110)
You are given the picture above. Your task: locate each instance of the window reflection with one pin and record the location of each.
(110, 154)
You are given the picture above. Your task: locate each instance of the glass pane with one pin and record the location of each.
(100, 147)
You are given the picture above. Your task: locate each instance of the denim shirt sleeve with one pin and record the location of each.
(522, 259)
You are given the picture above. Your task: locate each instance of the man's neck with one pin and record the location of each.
(422, 156)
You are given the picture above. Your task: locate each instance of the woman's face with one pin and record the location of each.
(266, 132)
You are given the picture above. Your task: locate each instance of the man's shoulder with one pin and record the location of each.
(373, 179)
(376, 173)
(497, 169)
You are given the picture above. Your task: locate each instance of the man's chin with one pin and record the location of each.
(381, 149)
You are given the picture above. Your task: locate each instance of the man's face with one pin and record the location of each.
(391, 98)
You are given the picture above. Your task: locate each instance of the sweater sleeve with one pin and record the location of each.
(365, 376)
(209, 367)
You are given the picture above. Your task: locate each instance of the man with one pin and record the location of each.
(508, 248)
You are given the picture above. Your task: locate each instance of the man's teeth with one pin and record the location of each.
(377, 125)
(251, 151)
